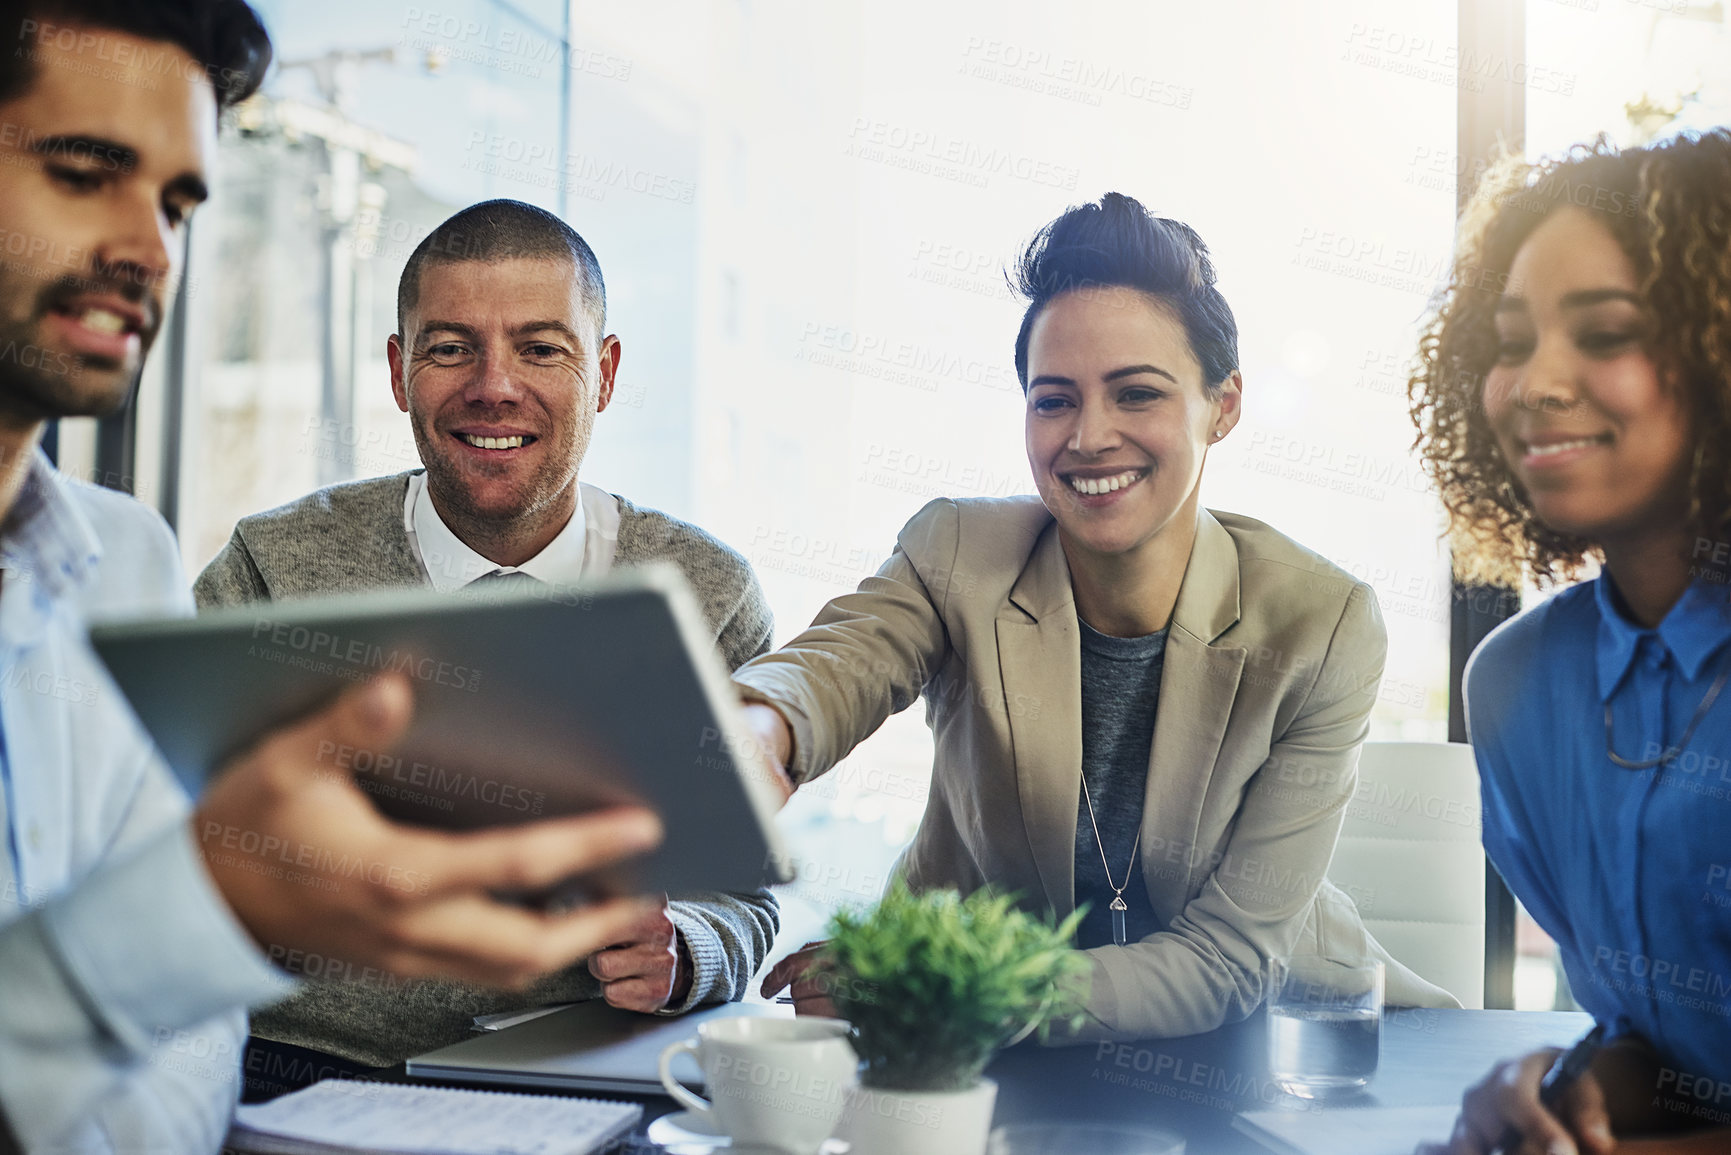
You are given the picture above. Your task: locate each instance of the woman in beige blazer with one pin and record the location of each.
(1029, 624)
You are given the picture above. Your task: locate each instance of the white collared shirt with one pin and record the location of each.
(583, 551)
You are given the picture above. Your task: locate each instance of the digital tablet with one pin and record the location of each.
(535, 703)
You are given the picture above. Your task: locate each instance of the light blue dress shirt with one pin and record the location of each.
(122, 973)
(1629, 870)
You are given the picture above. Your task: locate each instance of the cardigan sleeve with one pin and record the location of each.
(231, 578)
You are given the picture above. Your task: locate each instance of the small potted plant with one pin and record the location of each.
(934, 984)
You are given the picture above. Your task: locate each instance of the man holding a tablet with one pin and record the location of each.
(502, 362)
(128, 943)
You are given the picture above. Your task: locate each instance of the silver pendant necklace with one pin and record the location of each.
(1118, 907)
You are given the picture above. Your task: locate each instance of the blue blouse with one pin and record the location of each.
(1629, 870)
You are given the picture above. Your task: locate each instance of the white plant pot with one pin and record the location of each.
(918, 1122)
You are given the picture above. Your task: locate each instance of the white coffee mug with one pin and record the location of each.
(772, 1082)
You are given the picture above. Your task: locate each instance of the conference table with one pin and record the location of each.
(1196, 1085)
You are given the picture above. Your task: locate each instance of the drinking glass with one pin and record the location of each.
(1324, 1025)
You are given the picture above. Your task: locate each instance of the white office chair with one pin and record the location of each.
(1409, 856)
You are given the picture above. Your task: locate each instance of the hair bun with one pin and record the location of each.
(1117, 242)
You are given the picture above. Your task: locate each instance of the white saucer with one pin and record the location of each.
(683, 1133)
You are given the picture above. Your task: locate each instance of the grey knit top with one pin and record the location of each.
(350, 538)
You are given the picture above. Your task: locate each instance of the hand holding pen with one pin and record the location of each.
(1561, 1079)
(1543, 1102)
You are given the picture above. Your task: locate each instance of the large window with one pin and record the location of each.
(804, 212)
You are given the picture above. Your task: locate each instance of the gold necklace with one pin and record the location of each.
(1118, 907)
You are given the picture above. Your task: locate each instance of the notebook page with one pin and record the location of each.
(438, 1120)
(1347, 1130)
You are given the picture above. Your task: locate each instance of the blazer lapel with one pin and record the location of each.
(1197, 689)
(1039, 652)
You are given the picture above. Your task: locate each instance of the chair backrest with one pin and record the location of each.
(1409, 856)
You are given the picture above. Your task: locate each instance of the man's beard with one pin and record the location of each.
(42, 384)
(449, 479)
(38, 382)
(450, 475)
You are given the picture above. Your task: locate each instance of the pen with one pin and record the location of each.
(1568, 1068)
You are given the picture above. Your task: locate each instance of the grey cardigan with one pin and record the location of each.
(350, 538)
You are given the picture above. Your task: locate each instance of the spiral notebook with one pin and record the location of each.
(345, 1117)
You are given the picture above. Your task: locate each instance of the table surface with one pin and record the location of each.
(1196, 1085)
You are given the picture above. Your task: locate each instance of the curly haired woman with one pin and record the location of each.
(1573, 399)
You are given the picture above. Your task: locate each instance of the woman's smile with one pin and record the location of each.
(1104, 487)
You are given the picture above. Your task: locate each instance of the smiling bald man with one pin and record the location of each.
(502, 361)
